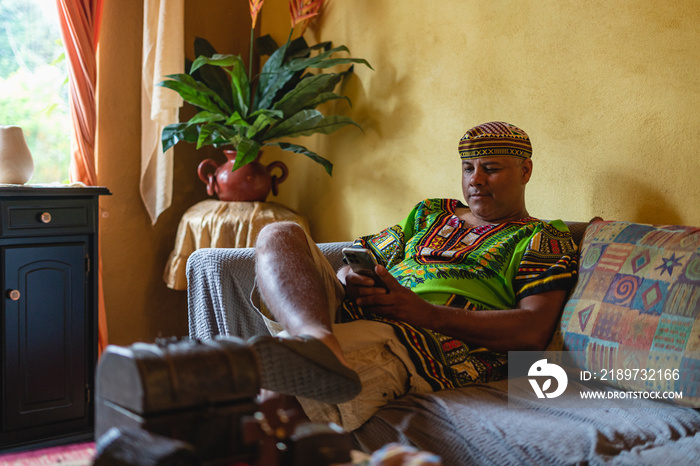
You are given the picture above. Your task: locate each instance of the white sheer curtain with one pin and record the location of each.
(163, 54)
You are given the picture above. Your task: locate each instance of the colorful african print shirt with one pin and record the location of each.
(493, 266)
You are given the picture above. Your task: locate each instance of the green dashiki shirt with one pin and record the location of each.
(492, 266)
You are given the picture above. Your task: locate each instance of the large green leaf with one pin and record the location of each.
(206, 135)
(225, 135)
(327, 52)
(325, 97)
(206, 117)
(215, 134)
(278, 114)
(220, 60)
(239, 83)
(279, 73)
(172, 134)
(274, 76)
(247, 151)
(240, 87)
(303, 150)
(213, 76)
(308, 122)
(323, 60)
(340, 61)
(196, 93)
(263, 119)
(306, 50)
(310, 93)
(236, 119)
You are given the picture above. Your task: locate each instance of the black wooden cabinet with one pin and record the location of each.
(48, 350)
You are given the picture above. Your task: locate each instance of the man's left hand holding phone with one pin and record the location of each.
(360, 278)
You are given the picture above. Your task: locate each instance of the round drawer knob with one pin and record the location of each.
(45, 217)
(13, 295)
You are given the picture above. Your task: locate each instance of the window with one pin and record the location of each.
(34, 84)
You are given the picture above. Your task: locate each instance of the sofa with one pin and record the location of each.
(637, 300)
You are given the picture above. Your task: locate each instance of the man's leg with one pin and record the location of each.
(291, 285)
(295, 292)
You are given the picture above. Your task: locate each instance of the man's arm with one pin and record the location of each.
(529, 327)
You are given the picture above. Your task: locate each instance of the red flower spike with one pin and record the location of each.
(255, 7)
(303, 10)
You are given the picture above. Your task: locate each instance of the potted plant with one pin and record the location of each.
(246, 113)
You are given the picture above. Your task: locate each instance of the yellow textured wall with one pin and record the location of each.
(609, 92)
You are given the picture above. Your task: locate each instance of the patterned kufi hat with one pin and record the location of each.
(495, 139)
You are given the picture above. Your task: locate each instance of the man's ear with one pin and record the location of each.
(526, 168)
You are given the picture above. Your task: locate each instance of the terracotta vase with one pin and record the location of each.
(16, 164)
(249, 183)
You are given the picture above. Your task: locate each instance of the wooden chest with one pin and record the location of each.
(195, 391)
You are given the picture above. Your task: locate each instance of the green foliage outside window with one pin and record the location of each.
(34, 84)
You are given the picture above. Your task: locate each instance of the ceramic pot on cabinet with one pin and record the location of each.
(250, 183)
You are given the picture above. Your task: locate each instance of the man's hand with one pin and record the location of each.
(398, 303)
(357, 285)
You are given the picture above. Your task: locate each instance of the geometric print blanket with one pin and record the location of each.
(636, 305)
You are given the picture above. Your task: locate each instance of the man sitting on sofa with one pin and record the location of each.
(456, 279)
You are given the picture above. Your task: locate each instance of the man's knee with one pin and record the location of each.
(275, 236)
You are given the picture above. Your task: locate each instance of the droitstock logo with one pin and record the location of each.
(544, 372)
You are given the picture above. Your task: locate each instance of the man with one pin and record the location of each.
(458, 279)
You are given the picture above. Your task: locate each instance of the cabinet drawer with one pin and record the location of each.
(27, 217)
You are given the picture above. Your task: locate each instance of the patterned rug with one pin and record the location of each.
(79, 454)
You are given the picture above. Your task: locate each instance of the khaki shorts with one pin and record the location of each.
(370, 348)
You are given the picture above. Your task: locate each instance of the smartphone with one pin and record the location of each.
(362, 261)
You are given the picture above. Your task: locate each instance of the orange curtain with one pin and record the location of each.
(80, 28)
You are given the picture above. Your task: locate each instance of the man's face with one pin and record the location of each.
(494, 187)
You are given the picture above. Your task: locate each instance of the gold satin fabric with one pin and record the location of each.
(219, 224)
